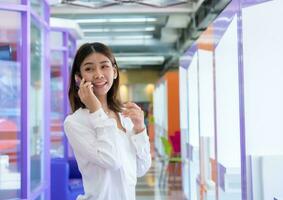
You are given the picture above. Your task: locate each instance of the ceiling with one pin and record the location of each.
(142, 33)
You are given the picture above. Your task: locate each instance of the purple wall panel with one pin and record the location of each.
(241, 105)
(247, 3)
(47, 81)
(65, 71)
(223, 20)
(186, 59)
(221, 177)
(25, 74)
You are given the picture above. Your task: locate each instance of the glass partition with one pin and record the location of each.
(10, 1)
(206, 112)
(160, 112)
(193, 126)
(71, 46)
(37, 7)
(57, 100)
(56, 39)
(10, 104)
(63, 48)
(183, 91)
(227, 104)
(36, 112)
(263, 85)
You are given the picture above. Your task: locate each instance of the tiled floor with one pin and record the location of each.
(148, 186)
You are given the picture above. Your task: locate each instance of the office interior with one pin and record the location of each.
(207, 73)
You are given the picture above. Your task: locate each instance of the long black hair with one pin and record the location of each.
(85, 50)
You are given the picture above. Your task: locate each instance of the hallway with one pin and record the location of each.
(148, 186)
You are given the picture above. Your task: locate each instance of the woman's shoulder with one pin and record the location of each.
(78, 114)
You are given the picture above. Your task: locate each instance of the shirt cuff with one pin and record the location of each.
(140, 141)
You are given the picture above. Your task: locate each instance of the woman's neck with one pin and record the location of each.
(104, 104)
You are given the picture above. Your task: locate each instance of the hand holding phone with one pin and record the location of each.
(86, 94)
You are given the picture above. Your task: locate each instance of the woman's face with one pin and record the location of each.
(98, 69)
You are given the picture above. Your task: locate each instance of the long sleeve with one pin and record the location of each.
(142, 146)
(96, 143)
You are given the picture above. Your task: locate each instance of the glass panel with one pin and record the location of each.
(10, 1)
(40, 197)
(193, 145)
(37, 6)
(227, 104)
(263, 99)
(71, 47)
(36, 107)
(10, 102)
(56, 39)
(57, 109)
(206, 112)
(184, 128)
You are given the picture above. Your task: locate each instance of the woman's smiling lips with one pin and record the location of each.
(99, 84)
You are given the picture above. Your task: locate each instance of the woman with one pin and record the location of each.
(109, 139)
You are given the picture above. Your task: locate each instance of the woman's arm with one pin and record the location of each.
(98, 144)
(142, 146)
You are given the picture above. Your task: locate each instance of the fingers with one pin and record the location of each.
(85, 88)
(133, 113)
(131, 105)
(136, 114)
(84, 85)
(132, 110)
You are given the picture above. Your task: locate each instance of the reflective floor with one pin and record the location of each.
(152, 187)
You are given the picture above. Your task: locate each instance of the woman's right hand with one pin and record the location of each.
(87, 96)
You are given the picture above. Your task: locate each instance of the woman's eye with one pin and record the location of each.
(88, 69)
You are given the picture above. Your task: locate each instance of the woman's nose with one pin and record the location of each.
(98, 74)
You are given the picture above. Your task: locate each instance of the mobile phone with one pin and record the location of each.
(78, 80)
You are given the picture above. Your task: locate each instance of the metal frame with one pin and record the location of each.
(65, 72)
(26, 12)
(119, 2)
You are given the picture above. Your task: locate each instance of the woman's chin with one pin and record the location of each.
(100, 92)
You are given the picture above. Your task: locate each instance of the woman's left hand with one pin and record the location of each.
(135, 113)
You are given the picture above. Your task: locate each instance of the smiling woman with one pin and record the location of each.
(109, 138)
(97, 65)
(98, 69)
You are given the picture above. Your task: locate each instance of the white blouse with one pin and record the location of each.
(109, 159)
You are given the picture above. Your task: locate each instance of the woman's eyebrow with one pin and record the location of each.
(93, 63)
(88, 63)
(105, 61)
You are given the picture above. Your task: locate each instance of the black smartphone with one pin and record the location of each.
(78, 80)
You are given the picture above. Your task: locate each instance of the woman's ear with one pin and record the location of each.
(115, 73)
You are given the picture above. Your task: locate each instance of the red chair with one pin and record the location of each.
(176, 143)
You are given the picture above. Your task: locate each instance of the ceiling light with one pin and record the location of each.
(91, 20)
(116, 20)
(133, 37)
(133, 20)
(99, 30)
(140, 60)
(121, 37)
